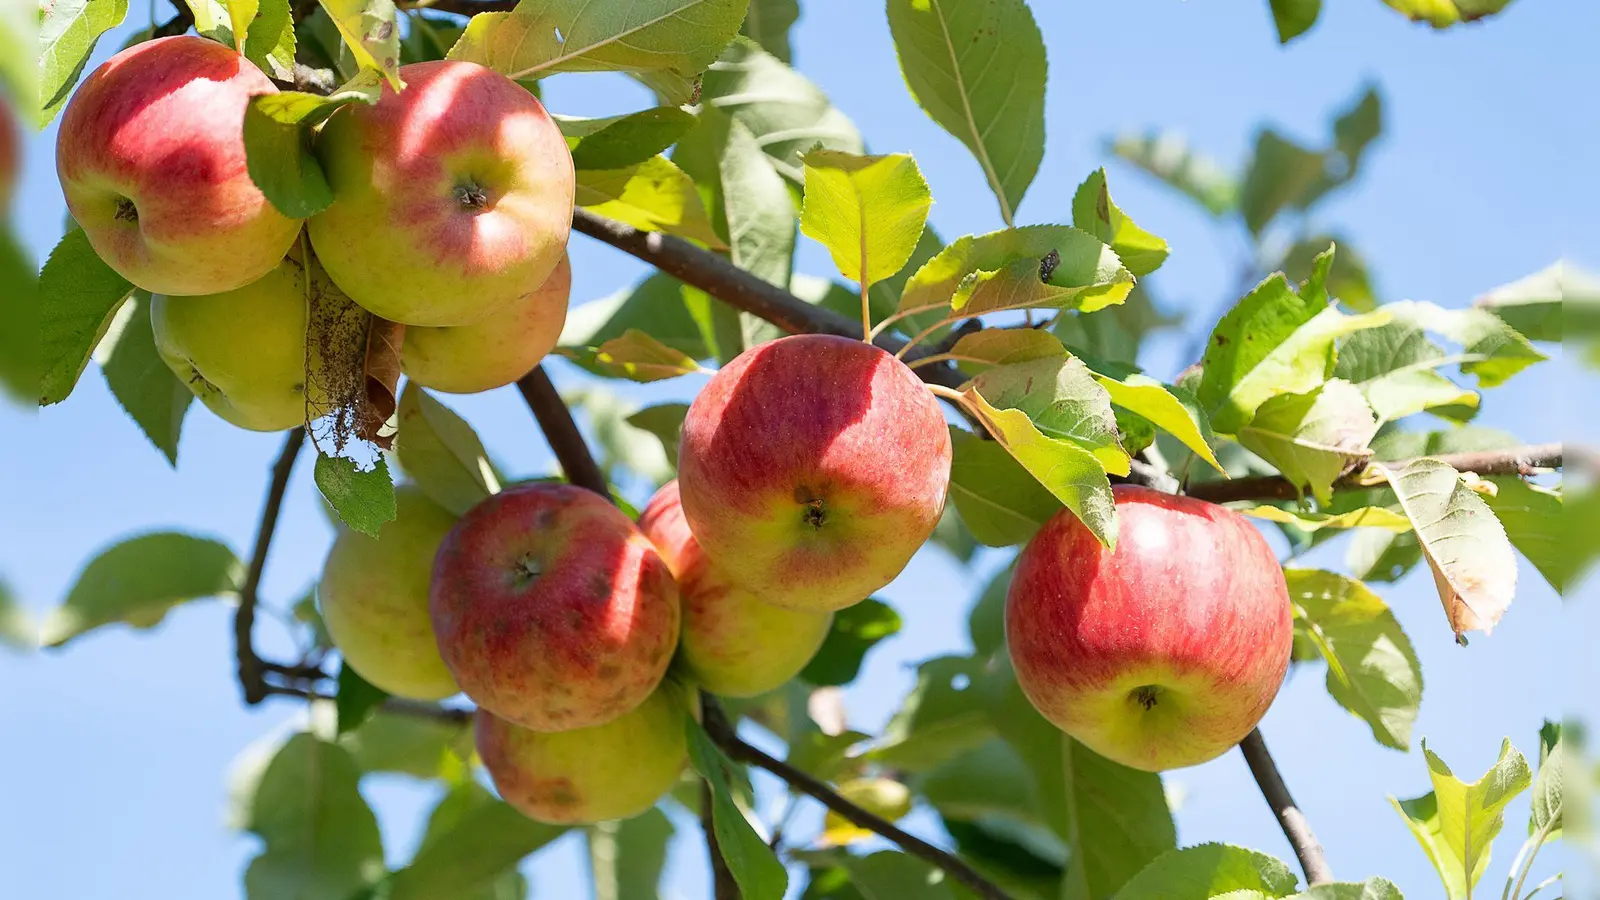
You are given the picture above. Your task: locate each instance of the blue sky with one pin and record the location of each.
(117, 748)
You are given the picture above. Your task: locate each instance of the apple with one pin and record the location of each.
(152, 163)
(552, 609)
(451, 200)
(614, 770)
(1163, 653)
(731, 643)
(374, 599)
(466, 359)
(812, 468)
(243, 352)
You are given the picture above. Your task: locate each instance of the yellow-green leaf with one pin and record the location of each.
(1001, 346)
(883, 797)
(654, 195)
(1051, 266)
(636, 356)
(1314, 437)
(1062, 399)
(369, 30)
(868, 211)
(1153, 400)
(1456, 822)
(1094, 212)
(1365, 517)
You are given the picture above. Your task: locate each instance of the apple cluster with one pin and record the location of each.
(452, 203)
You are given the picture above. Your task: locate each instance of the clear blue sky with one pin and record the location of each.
(116, 750)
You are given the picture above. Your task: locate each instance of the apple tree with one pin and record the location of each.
(319, 218)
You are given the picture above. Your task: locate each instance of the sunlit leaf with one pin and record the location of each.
(1314, 437)
(868, 211)
(1093, 211)
(138, 580)
(1456, 822)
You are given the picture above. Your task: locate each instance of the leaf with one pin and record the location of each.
(1457, 822)
(977, 68)
(67, 36)
(768, 22)
(78, 297)
(1093, 211)
(754, 864)
(855, 630)
(279, 159)
(1209, 870)
(1003, 346)
(1152, 400)
(635, 356)
(1465, 545)
(364, 499)
(941, 718)
(1314, 437)
(1363, 517)
(626, 858)
(986, 623)
(665, 421)
(1062, 399)
(380, 381)
(1533, 305)
(1496, 351)
(464, 799)
(891, 875)
(441, 453)
(678, 38)
(369, 31)
(147, 390)
(754, 204)
(1371, 889)
(1281, 173)
(473, 841)
(1074, 475)
(17, 629)
(213, 19)
(869, 211)
(655, 306)
(1167, 156)
(420, 746)
(654, 195)
(321, 839)
(1546, 810)
(1114, 334)
(1348, 280)
(1372, 669)
(618, 142)
(883, 797)
(1394, 365)
(356, 700)
(137, 580)
(271, 40)
(1444, 13)
(1294, 17)
(1003, 269)
(999, 500)
(1532, 517)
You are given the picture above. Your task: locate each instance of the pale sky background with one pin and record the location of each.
(116, 750)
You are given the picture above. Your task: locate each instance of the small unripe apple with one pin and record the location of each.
(452, 198)
(243, 352)
(812, 468)
(374, 599)
(732, 643)
(152, 164)
(552, 609)
(610, 771)
(466, 359)
(1163, 653)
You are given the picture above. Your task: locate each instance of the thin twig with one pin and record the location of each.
(555, 420)
(244, 619)
(1295, 827)
(723, 885)
(1517, 461)
(722, 732)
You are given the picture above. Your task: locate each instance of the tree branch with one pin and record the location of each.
(461, 7)
(244, 619)
(1518, 461)
(723, 734)
(555, 420)
(1295, 827)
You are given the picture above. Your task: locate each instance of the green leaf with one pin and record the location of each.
(655, 306)
(635, 356)
(665, 421)
(617, 142)
(986, 623)
(1372, 670)
(890, 875)
(473, 842)
(1495, 350)
(67, 36)
(19, 316)
(279, 159)
(1363, 517)
(885, 798)
(768, 22)
(1207, 871)
(754, 205)
(364, 499)
(357, 699)
(1533, 304)
(1001, 346)
(1093, 281)
(1093, 211)
(214, 19)
(941, 718)
(17, 629)
(998, 499)
(885, 295)
(1281, 173)
(1356, 128)
(1444, 13)
(421, 746)
(754, 865)
(78, 297)
(441, 452)
(626, 858)
(1086, 275)
(145, 387)
(856, 630)
(1348, 280)
(1457, 822)
(1314, 437)
(1395, 367)
(1180, 417)
(1546, 814)
(1062, 399)
(977, 68)
(654, 195)
(1168, 157)
(321, 839)
(1532, 517)
(137, 580)
(1115, 333)
(1371, 889)
(1294, 17)
(369, 30)
(676, 38)
(869, 211)
(271, 41)
(465, 799)
(622, 447)
(1465, 545)
(1074, 475)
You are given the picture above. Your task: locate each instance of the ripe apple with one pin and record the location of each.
(1163, 653)
(152, 163)
(451, 198)
(812, 468)
(731, 644)
(552, 609)
(609, 771)
(466, 359)
(243, 352)
(374, 599)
